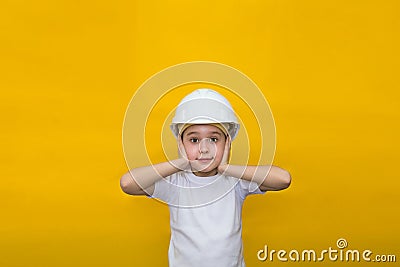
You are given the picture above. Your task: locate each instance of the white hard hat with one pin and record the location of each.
(205, 106)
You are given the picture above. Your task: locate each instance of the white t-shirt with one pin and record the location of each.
(205, 218)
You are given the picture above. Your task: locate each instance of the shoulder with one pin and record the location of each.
(245, 188)
(175, 178)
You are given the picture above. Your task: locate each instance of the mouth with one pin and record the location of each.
(205, 160)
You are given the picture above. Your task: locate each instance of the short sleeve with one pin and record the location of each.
(165, 189)
(245, 188)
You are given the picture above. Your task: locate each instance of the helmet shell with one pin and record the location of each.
(205, 106)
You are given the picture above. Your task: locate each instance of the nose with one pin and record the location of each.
(204, 146)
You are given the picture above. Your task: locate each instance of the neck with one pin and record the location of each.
(206, 174)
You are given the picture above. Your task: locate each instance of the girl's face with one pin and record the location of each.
(204, 145)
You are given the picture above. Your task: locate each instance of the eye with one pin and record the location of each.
(213, 139)
(194, 140)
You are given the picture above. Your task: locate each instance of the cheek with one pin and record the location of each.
(191, 151)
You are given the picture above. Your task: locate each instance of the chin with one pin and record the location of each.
(207, 172)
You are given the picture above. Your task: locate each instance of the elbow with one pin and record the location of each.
(286, 180)
(127, 184)
(281, 180)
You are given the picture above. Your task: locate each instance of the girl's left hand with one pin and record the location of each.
(225, 158)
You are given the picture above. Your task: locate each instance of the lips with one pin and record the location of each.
(205, 160)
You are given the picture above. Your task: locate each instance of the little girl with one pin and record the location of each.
(204, 192)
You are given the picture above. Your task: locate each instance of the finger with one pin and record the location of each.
(227, 149)
(178, 141)
(181, 148)
(228, 144)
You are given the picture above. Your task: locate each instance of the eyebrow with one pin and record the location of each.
(194, 132)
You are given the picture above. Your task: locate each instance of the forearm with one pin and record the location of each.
(268, 177)
(134, 181)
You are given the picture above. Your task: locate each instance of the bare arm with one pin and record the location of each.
(140, 181)
(268, 177)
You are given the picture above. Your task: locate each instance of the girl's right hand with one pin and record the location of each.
(181, 148)
(183, 161)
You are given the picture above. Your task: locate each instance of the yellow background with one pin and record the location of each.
(329, 70)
